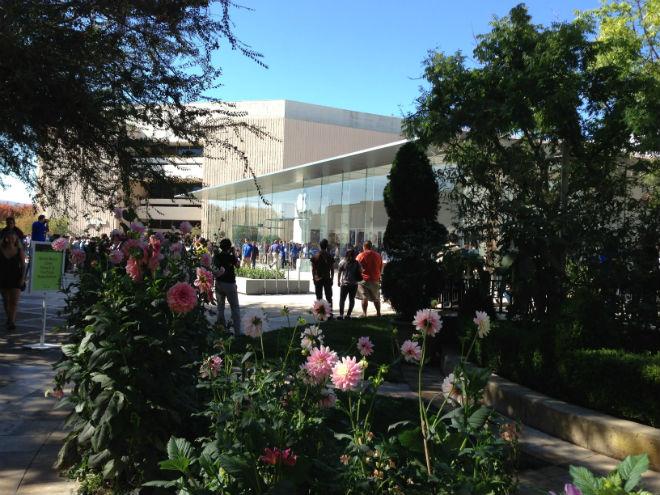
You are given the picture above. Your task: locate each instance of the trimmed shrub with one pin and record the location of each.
(413, 236)
(259, 273)
(613, 381)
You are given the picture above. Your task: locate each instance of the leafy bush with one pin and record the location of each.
(413, 236)
(129, 363)
(582, 376)
(625, 479)
(277, 429)
(589, 376)
(259, 273)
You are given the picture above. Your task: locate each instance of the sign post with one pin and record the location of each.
(46, 275)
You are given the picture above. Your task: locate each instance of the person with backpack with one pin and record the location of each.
(349, 274)
(323, 271)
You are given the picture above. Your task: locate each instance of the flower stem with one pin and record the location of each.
(422, 415)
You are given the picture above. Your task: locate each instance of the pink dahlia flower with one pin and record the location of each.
(154, 261)
(270, 456)
(482, 320)
(321, 310)
(210, 367)
(205, 260)
(254, 323)
(346, 374)
(204, 281)
(181, 298)
(450, 389)
(185, 228)
(411, 351)
(288, 458)
(116, 256)
(365, 346)
(133, 247)
(78, 257)
(60, 244)
(137, 227)
(427, 321)
(328, 399)
(320, 363)
(134, 269)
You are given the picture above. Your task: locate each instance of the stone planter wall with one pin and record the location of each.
(251, 286)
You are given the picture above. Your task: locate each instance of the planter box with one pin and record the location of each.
(252, 286)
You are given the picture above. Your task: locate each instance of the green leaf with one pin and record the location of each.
(584, 480)
(394, 426)
(412, 440)
(101, 436)
(234, 465)
(631, 470)
(478, 418)
(102, 379)
(246, 356)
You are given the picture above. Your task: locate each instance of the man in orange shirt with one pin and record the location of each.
(369, 288)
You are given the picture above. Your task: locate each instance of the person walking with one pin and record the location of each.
(225, 284)
(349, 273)
(40, 229)
(323, 271)
(369, 287)
(12, 275)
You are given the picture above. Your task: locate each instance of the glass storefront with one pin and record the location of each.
(345, 208)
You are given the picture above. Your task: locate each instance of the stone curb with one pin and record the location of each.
(590, 429)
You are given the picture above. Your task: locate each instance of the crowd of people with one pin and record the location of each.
(357, 269)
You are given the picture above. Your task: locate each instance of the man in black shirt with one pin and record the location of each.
(225, 284)
(323, 271)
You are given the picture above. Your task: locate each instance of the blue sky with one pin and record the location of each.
(363, 55)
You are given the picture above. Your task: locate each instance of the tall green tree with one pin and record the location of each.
(542, 137)
(89, 87)
(413, 235)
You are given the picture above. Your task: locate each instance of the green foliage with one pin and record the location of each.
(625, 479)
(539, 136)
(366, 444)
(413, 236)
(129, 363)
(579, 375)
(99, 74)
(259, 273)
(589, 376)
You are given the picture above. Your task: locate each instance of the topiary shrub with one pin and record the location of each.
(413, 236)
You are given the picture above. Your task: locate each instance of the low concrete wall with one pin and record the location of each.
(592, 430)
(252, 286)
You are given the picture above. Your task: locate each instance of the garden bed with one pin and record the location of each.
(251, 286)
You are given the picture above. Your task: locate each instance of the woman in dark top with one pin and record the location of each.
(12, 275)
(349, 274)
(225, 284)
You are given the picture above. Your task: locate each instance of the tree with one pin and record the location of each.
(540, 134)
(93, 91)
(413, 236)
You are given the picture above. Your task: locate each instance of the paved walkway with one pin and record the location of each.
(31, 430)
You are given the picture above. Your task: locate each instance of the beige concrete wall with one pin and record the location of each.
(307, 141)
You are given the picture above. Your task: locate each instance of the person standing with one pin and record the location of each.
(225, 284)
(323, 271)
(349, 273)
(12, 275)
(10, 224)
(369, 287)
(254, 254)
(247, 253)
(40, 229)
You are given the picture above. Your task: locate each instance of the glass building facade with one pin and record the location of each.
(339, 199)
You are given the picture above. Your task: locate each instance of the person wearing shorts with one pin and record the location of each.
(369, 287)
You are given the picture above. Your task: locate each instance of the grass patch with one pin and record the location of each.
(341, 336)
